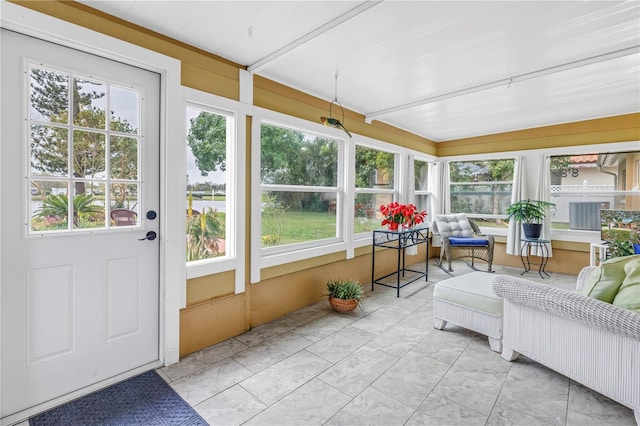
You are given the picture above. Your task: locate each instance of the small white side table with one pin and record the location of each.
(597, 253)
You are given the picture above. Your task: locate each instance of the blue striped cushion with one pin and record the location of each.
(456, 241)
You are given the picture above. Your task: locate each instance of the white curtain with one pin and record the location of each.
(543, 193)
(410, 185)
(519, 192)
(439, 182)
(440, 203)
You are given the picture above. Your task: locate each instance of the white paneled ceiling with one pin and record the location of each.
(443, 70)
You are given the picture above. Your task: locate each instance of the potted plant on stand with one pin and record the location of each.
(530, 213)
(344, 294)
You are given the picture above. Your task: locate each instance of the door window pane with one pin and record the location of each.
(124, 196)
(88, 103)
(88, 209)
(124, 110)
(49, 150)
(88, 154)
(48, 96)
(123, 153)
(49, 206)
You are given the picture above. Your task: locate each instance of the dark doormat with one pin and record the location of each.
(142, 400)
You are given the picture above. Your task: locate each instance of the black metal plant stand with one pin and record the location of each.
(399, 240)
(541, 248)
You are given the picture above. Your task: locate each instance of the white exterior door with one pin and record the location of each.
(79, 158)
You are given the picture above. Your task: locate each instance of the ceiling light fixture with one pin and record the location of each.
(331, 121)
(507, 81)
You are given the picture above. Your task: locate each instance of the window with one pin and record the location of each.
(84, 152)
(374, 186)
(421, 171)
(582, 185)
(207, 218)
(300, 192)
(482, 189)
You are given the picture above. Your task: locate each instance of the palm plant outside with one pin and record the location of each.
(204, 231)
(56, 206)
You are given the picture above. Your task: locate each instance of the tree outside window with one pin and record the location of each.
(299, 180)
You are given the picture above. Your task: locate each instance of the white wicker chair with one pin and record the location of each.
(590, 341)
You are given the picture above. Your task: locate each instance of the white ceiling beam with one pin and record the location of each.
(507, 81)
(362, 7)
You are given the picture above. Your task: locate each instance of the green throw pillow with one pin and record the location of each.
(604, 283)
(628, 296)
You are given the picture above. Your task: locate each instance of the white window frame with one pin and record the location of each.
(575, 235)
(482, 157)
(490, 158)
(429, 191)
(236, 158)
(402, 184)
(531, 159)
(398, 192)
(265, 258)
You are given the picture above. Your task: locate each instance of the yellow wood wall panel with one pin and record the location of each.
(300, 265)
(211, 322)
(210, 287)
(206, 81)
(622, 128)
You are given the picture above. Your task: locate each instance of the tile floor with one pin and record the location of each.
(385, 365)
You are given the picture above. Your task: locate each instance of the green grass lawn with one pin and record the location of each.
(308, 226)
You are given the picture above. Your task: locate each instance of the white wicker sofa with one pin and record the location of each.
(592, 342)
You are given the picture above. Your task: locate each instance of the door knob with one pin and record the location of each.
(151, 235)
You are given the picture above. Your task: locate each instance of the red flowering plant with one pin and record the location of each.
(396, 214)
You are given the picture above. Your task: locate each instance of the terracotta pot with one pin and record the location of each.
(343, 306)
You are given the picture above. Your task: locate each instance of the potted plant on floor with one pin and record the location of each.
(344, 294)
(530, 213)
